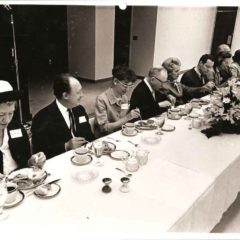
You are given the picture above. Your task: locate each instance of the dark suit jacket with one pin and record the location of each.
(19, 147)
(193, 85)
(142, 98)
(50, 131)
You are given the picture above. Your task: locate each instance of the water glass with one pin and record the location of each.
(3, 198)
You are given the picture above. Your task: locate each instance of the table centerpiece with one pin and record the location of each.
(224, 111)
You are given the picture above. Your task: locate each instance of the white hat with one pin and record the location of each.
(7, 93)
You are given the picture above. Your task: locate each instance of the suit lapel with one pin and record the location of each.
(59, 120)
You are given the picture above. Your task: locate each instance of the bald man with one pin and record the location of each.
(63, 125)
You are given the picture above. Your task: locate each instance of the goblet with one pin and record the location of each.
(3, 198)
(160, 122)
(98, 150)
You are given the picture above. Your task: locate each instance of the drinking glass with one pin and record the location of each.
(160, 122)
(98, 151)
(3, 198)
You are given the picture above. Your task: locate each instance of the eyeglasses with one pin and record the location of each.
(158, 79)
(126, 85)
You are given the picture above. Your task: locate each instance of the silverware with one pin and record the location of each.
(126, 174)
(134, 144)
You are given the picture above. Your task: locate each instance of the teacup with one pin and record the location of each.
(128, 128)
(12, 192)
(81, 154)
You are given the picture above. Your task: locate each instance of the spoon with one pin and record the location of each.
(134, 144)
(126, 174)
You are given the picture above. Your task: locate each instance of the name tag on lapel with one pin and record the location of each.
(82, 119)
(125, 106)
(16, 133)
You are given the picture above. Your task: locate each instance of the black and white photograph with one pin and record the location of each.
(119, 120)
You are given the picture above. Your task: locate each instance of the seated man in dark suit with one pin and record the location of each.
(197, 77)
(147, 96)
(64, 124)
(15, 151)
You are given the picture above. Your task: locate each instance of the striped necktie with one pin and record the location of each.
(72, 122)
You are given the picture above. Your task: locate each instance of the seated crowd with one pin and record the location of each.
(64, 124)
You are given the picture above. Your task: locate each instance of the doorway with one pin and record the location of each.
(224, 27)
(122, 35)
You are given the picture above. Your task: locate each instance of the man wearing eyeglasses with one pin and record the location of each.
(112, 106)
(148, 95)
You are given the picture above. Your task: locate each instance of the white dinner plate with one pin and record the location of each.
(85, 175)
(27, 178)
(119, 155)
(151, 139)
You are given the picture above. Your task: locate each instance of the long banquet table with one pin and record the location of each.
(186, 186)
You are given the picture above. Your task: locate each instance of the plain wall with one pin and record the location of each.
(185, 33)
(142, 50)
(81, 41)
(236, 35)
(105, 19)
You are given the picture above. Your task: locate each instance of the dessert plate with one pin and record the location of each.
(47, 191)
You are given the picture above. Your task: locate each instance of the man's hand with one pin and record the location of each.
(172, 99)
(210, 85)
(37, 160)
(135, 113)
(75, 143)
(164, 104)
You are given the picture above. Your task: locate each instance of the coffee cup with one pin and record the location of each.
(128, 128)
(81, 154)
(12, 192)
(173, 113)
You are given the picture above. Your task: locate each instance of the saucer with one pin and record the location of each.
(175, 118)
(135, 132)
(119, 155)
(108, 147)
(151, 139)
(86, 161)
(85, 175)
(52, 192)
(19, 199)
(168, 128)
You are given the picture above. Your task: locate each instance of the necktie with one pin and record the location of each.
(72, 122)
(1, 162)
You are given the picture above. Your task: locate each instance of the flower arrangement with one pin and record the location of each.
(224, 112)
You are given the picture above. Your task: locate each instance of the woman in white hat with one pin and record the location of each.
(15, 151)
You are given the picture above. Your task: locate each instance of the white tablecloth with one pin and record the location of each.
(187, 184)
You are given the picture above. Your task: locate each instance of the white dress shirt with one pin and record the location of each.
(8, 162)
(150, 88)
(65, 114)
